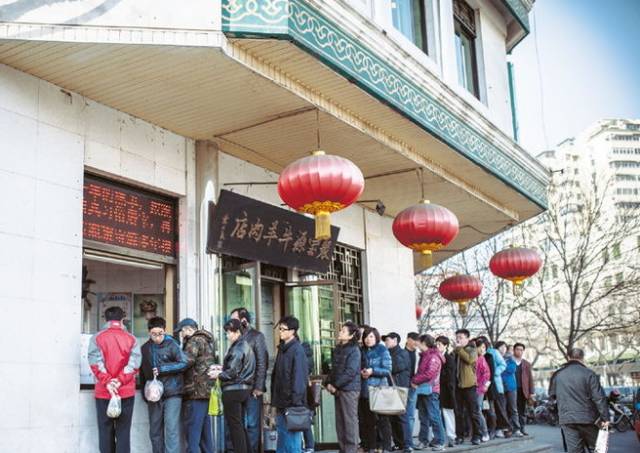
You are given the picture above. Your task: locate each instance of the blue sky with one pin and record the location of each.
(587, 66)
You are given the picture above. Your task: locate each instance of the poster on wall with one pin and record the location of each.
(145, 307)
(108, 300)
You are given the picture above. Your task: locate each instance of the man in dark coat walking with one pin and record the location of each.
(582, 404)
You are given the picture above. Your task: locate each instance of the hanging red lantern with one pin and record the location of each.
(515, 264)
(319, 185)
(419, 311)
(425, 228)
(461, 289)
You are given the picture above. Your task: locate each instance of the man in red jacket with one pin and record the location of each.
(114, 358)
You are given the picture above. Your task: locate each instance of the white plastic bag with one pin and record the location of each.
(602, 444)
(115, 408)
(153, 390)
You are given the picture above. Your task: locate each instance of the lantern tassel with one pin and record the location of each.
(463, 308)
(323, 225)
(517, 289)
(426, 259)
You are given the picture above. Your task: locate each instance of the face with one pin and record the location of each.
(286, 334)
(423, 346)
(233, 336)
(390, 342)
(482, 349)
(442, 348)
(157, 335)
(518, 351)
(411, 343)
(344, 336)
(462, 339)
(187, 331)
(235, 315)
(503, 349)
(370, 341)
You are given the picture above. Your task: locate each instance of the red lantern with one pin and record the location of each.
(515, 264)
(425, 228)
(418, 312)
(320, 184)
(461, 289)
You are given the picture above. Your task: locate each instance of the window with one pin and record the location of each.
(607, 282)
(619, 278)
(616, 250)
(605, 255)
(409, 18)
(554, 271)
(465, 37)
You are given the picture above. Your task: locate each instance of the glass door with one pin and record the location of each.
(315, 306)
(239, 290)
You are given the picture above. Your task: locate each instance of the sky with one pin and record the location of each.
(579, 64)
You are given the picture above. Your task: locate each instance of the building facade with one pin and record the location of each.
(123, 121)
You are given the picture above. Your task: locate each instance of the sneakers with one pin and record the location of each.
(451, 440)
(518, 434)
(499, 435)
(437, 448)
(459, 440)
(475, 441)
(485, 438)
(419, 446)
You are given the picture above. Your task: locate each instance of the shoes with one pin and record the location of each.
(450, 445)
(419, 446)
(485, 438)
(508, 434)
(475, 441)
(524, 433)
(308, 450)
(518, 434)
(437, 448)
(408, 450)
(499, 434)
(459, 440)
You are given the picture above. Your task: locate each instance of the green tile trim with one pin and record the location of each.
(519, 12)
(297, 21)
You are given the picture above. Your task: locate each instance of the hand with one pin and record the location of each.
(604, 425)
(257, 393)
(414, 386)
(156, 372)
(331, 389)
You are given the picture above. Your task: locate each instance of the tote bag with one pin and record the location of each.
(215, 400)
(602, 443)
(388, 400)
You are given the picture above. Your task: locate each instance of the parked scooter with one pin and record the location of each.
(619, 413)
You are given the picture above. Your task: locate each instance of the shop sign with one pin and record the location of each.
(123, 216)
(257, 231)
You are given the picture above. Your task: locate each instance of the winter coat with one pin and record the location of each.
(114, 354)
(379, 360)
(509, 375)
(238, 367)
(170, 361)
(429, 367)
(483, 375)
(413, 358)
(200, 351)
(466, 362)
(256, 340)
(290, 376)
(499, 365)
(400, 366)
(580, 397)
(345, 368)
(526, 379)
(448, 382)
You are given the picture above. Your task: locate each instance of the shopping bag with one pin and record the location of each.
(602, 443)
(114, 409)
(153, 390)
(215, 400)
(386, 400)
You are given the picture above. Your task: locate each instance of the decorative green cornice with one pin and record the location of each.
(520, 13)
(309, 29)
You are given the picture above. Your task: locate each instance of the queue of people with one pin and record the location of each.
(466, 390)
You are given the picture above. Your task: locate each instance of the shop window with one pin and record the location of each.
(410, 19)
(465, 43)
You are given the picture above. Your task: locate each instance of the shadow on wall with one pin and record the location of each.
(14, 11)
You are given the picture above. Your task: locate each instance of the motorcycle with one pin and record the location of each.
(546, 412)
(619, 415)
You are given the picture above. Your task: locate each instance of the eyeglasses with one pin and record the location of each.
(156, 335)
(283, 329)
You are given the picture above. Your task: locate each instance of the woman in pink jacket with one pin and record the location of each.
(483, 377)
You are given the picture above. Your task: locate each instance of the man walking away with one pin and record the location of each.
(199, 347)
(114, 358)
(400, 370)
(524, 380)
(466, 398)
(582, 404)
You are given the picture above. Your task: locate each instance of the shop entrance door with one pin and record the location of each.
(316, 307)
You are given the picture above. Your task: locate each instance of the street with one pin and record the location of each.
(619, 442)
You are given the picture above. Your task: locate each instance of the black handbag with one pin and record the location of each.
(298, 418)
(314, 394)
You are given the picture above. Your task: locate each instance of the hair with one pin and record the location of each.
(415, 336)
(482, 341)
(464, 332)
(114, 314)
(576, 354)
(499, 344)
(443, 340)
(428, 340)
(232, 325)
(291, 322)
(519, 345)
(243, 314)
(157, 321)
(371, 330)
(353, 330)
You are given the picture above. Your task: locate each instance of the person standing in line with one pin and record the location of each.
(237, 381)
(344, 384)
(400, 370)
(466, 397)
(307, 435)
(376, 372)
(448, 386)
(510, 388)
(199, 347)
(289, 382)
(411, 347)
(428, 377)
(497, 419)
(483, 377)
(253, 405)
(114, 357)
(524, 381)
(582, 403)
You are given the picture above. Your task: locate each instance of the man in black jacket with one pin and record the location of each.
(401, 372)
(253, 406)
(413, 338)
(289, 382)
(582, 404)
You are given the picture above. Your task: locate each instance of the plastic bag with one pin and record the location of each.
(114, 409)
(215, 400)
(602, 444)
(153, 390)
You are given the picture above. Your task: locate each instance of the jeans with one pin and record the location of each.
(309, 441)
(197, 426)
(411, 412)
(400, 430)
(483, 422)
(110, 429)
(449, 419)
(288, 441)
(347, 421)
(164, 425)
(423, 415)
(430, 404)
(233, 401)
(467, 403)
(580, 436)
(253, 421)
(512, 410)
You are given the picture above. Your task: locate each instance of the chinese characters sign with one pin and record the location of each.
(254, 230)
(118, 215)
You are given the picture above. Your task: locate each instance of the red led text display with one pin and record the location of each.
(117, 215)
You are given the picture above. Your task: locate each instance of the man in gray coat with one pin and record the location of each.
(582, 404)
